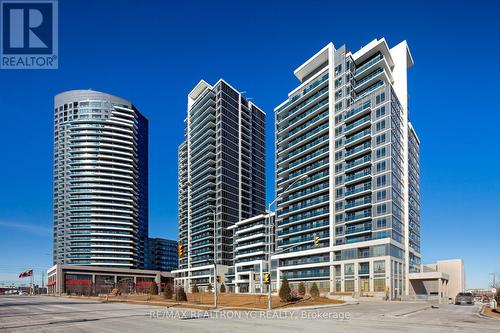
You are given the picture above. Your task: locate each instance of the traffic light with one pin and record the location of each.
(267, 278)
(316, 240)
(180, 250)
(217, 278)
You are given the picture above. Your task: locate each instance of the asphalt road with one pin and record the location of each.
(56, 314)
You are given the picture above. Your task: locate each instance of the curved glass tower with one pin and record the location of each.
(100, 180)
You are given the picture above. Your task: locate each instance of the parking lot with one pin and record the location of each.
(58, 314)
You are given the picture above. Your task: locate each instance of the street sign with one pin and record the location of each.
(494, 290)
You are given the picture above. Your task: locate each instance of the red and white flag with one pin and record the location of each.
(26, 273)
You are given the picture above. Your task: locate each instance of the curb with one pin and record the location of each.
(481, 314)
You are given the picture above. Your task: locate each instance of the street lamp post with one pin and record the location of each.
(269, 226)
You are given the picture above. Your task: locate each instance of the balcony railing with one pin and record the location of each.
(368, 64)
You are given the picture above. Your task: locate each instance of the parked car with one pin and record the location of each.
(464, 298)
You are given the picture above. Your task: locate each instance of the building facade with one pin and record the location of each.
(94, 280)
(347, 171)
(221, 177)
(161, 255)
(100, 180)
(253, 241)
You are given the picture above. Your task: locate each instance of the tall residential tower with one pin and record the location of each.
(347, 171)
(221, 177)
(100, 180)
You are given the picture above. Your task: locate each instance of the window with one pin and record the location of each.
(381, 166)
(349, 285)
(379, 266)
(380, 139)
(380, 112)
(380, 125)
(349, 269)
(379, 285)
(338, 69)
(338, 82)
(338, 106)
(381, 152)
(381, 209)
(380, 98)
(381, 223)
(381, 180)
(381, 195)
(379, 250)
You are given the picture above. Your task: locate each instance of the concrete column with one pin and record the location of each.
(332, 272)
(440, 290)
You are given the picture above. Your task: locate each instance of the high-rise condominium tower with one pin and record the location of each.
(221, 177)
(347, 171)
(100, 180)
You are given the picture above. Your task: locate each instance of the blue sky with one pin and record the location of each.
(154, 52)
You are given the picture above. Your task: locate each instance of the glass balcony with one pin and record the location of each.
(300, 239)
(368, 77)
(305, 181)
(357, 162)
(303, 115)
(310, 190)
(359, 215)
(357, 123)
(369, 90)
(368, 64)
(302, 105)
(310, 167)
(304, 92)
(358, 228)
(305, 136)
(304, 216)
(358, 175)
(357, 149)
(306, 158)
(297, 151)
(360, 202)
(321, 116)
(305, 204)
(357, 110)
(303, 227)
(357, 136)
(307, 274)
(358, 239)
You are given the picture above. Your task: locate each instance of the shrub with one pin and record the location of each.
(314, 290)
(209, 288)
(285, 292)
(222, 288)
(194, 289)
(153, 289)
(168, 292)
(180, 295)
(302, 289)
